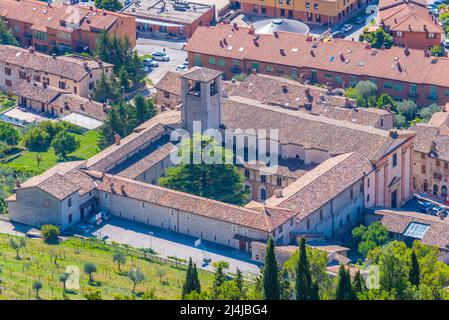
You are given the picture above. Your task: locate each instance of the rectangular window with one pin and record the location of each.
(8, 71)
(22, 75)
(413, 90)
(316, 6)
(399, 34)
(398, 87)
(307, 4)
(69, 203)
(395, 160)
(197, 60)
(255, 66)
(211, 60)
(8, 82)
(431, 35)
(62, 85)
(433, 93)
(221, 63)
(328, 77)
(269, 69)
(338, 79)
(388, 85)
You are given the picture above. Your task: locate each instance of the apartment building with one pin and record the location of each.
(59, 28)
(322, 12)
(71, 74)
(402, 73)
(410, 24)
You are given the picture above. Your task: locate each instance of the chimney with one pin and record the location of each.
(307, 92)
(105, 107)
(53, 56)
(312, 53)
(82, 106)
(284, 88)
(31, 49)
(282, 51)
(221, 43)
(111, 185)
(225, 41)
(278, 193)
(118, 139)
(251, 30)
(235, 26)
(85, 65)
(122, 189)
(44, 84)
(276, 34)
(66, 105)
(163, 107)
(394, 134)
(18, 184)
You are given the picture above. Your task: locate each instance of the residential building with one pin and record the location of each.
(410, 24)
(400, 72)
(72, 73)
(168, 90)
(410, 226)
(60, 28)
(347, 167)
(169, 18)
(431, 161)
(320, 12)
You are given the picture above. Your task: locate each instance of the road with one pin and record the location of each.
(172, 48)
(171, 244)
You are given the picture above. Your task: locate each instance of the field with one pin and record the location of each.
(162, 279)
(88, 148)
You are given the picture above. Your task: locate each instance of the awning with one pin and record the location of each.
(93, 200)
(243, 238)
(159, 23)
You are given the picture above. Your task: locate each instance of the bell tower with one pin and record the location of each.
(201, 98)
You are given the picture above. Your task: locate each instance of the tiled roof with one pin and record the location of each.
(292, 94)
(337, 55)
(170, 82)
(201, 74)
(397, 221)
(37, 92)
(291, 168)
(409, 17)
(309, 131)
(141, 136)
(81, 105)
(185, 202)
(325, 182)
(383, 4)
(145, 163)
(70, 67)
(43, 16)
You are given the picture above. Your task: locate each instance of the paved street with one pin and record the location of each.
(173, 244)
(172, 48)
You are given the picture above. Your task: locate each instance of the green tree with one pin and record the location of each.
(110, 5)
(271, 290)
(92, 294)
(17, 245)
(399, 121)
(407, 108)
(9, 134)
(303, 276)
(369, 238)
(219, 279)
(3, 205)
(366, 89)
(191, 282)
(229, 291)
(120, 258)
(63, 279)
(426, 113)
(50, 233)
(381, 39)
(414, 270)
(239, 282)
(437, 50)
(37, 286)
(65, 143)
(344, 286)
(103, 47)
(358, 283)
(214, 180)
(6, 35)
(89, 269)
(315, 291)
(145, 109)
(385, 100)
(136, 276)
(106, 89)
(36, 139)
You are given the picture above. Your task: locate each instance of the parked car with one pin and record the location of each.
(181, 67)
(150, 63)
(347, 27)
(425, 206)
(438, 211)
(445, 43)
(160, 56)
(360, 20)
(338, 34)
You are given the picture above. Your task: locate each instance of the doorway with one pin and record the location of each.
(242, 245)
(394, 199)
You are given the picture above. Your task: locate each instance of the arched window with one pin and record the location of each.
(435, 190)
(444, 191)
(263, 194)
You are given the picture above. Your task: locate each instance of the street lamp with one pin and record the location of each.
(123, 93)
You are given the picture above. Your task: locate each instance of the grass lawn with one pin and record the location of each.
(35, 264)
(6, 103)
(88, 148)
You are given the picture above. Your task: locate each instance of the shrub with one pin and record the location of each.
(50, 233)
(9, 134)
(36, 139)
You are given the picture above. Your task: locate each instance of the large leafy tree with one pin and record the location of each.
(303, 276)
(6, 35)
(371, 237)
(9, 134)
(271, 288)
(145, 108)
(110, 5)
(215, 179)
(64, 143)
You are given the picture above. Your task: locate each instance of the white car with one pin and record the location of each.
(346, 28)
(445, 43)
(150, 63)
(182, 67)
(160, 56)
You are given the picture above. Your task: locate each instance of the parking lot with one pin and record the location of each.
(172, 244)
(172, 48)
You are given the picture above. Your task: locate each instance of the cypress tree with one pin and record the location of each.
(344, 287)
(284, 285)
(303, 276)
(414, 270)
(315, 294)
(358, 283)
(239, 280)
(219, 279)
(271, 289)
(191, 282)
